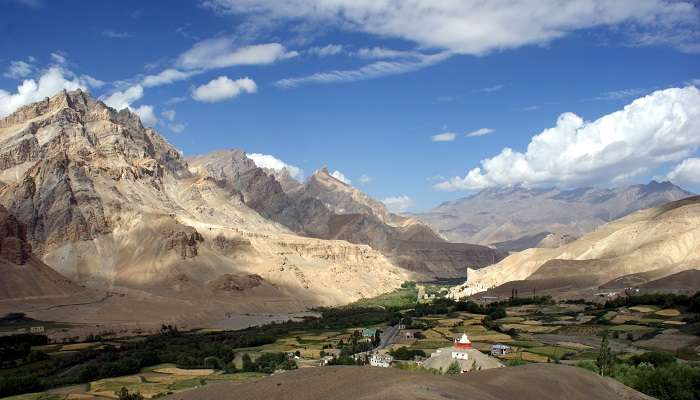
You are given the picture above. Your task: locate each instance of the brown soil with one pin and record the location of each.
(535, 381)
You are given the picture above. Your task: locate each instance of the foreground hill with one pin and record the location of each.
(655, 243)
(110, 204)
(535, 381)
(326, 208)
(516, 218)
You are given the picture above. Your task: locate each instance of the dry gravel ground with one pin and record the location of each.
(535, 381)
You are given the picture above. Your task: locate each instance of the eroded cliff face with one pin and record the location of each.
(110, 203)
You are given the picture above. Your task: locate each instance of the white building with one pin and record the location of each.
(380, 360)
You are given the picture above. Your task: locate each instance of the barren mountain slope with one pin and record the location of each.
(111, 204)
(664, 239)
(513, 218)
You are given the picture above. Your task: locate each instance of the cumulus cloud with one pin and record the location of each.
(166, 76)
(444, 137)
(18, 70)
(222, 53)
(398, 204)
(274, 163)
(341, 177)
(364, 178)
(52, 81)
(325, 51)
(658, 128)
(223, 88)
(370, 71)
(146, 114)
(686, 173)
(123, 99)
(480, 132)
(478, 27)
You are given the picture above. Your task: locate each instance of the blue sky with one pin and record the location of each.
(393, 76)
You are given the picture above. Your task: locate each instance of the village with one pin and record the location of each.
(426, 333)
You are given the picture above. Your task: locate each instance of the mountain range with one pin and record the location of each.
(116, 210)
(516, 218)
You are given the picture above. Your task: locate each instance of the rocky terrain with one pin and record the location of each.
(111, 205)
(535, 381)
(644, 246)
(324, 207)
(23, 275)
(517, 218)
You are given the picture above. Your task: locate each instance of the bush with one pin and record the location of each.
(404, 353)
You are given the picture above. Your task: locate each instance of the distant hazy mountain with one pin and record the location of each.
(515, 218)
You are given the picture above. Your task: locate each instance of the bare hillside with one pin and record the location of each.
(658, 241)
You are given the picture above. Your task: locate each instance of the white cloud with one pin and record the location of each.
(223, 88)
(18, 70)
(652, 130)
(123, 99)
(477, 27)
(444, 137)
(341, 177)
(621, 94)
(325, 51)
(146, 114)
(169, 114)
(110, 33)
(222, 53)
(177, 127)
(382, 53)
(370, 71)
(175, 100)
(398, 204)
(52, 81)
(490, 89)
(92, 82)
(480, 132)
(686, 173)
(59, 57)
(166, 76)
(364, 178)
(271, 162)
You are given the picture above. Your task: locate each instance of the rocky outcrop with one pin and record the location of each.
(184, 241)
(235, 283)
(13, 239)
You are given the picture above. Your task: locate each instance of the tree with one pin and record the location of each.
(123, 394)
(604, 362)
(248, 364)
(377, 339)
(454, 368)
